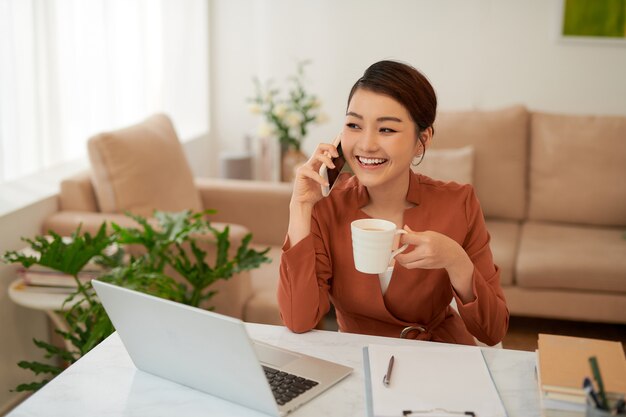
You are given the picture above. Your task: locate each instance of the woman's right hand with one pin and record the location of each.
(307, 188)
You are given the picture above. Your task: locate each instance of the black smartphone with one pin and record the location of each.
(331, 174)
(339, 162)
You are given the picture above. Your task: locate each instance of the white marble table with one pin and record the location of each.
(106, 383)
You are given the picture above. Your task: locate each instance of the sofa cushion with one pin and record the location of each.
(577, 166)
(263, 308)
(456, 164)
(500, 143)
(142, 168)
(571, 257)
(265, 277)
(240, 201)
(568, 305)
(504, 242)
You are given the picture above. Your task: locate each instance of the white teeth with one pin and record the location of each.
(371, 161)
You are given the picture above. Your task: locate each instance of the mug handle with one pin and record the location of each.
(403, 247)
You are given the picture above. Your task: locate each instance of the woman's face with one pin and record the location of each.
(379, 139)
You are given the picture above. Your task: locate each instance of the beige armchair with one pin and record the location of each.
(142, 168)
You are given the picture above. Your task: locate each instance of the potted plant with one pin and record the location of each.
(287, 117)
(172, 245)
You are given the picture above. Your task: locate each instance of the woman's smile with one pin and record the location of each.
(368, 162)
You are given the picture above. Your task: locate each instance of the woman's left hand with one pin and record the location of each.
(433, 250)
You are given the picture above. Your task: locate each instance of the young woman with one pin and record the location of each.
(388, 127)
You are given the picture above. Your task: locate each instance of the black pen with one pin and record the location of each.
(591, 393)
(387, 377)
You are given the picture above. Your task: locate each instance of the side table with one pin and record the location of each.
(49, 301)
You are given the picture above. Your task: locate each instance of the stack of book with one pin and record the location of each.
(37, 278)
(562, 366)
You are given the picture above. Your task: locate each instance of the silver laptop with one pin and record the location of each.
(213, 353)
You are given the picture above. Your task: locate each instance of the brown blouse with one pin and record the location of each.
(320, 269)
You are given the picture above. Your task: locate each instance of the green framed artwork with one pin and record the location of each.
(593, 20)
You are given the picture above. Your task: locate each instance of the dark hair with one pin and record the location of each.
(404, 84)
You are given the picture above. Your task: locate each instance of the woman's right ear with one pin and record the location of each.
(427, 136)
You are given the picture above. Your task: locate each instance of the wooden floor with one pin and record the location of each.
(523, 331)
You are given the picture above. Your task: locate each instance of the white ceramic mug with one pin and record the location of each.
(372, 241)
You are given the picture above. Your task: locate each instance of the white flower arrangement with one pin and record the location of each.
(286, 118)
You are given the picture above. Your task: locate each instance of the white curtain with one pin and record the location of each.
(72, 68)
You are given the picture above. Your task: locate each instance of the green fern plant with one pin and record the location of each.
(163, 245)
(87, 326)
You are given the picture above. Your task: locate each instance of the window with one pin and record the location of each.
(72, 68)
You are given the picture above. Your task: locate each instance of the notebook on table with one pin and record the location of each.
(429, 380)
(213, 353)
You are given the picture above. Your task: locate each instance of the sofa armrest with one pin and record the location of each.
(263, 207)
(66, 222)
(77, 193)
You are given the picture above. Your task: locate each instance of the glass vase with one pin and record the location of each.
(291, 160)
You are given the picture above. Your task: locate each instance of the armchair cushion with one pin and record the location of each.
(141, 168)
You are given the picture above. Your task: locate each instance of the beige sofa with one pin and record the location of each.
(551, 188)
(552, 191)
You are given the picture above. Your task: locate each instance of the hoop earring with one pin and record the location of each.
(419, 158)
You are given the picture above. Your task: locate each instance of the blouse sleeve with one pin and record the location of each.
(487, 316)
(305, 272)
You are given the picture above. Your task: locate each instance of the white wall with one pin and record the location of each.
(19, 325)
(477, 53)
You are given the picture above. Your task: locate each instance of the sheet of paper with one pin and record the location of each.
(429, 377)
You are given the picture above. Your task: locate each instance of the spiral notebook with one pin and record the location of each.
(430, 380)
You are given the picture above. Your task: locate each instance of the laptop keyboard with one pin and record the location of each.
(286, 387)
